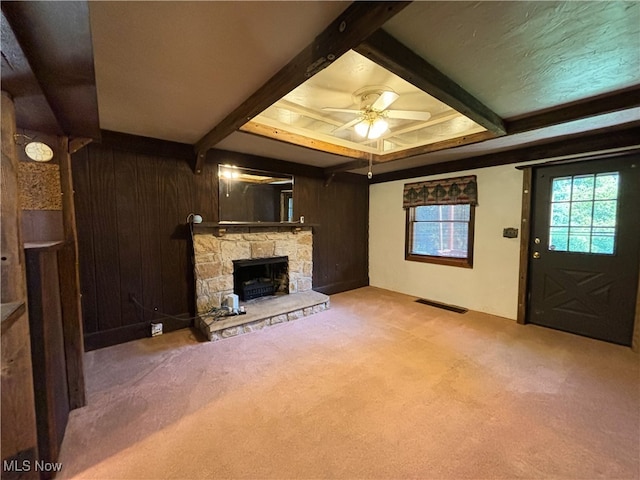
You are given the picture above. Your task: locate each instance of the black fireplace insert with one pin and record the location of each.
(260, 277)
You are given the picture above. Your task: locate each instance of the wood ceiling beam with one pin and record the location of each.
(389, 53)
(33, 112)
(56, 40)
(351, 28)
(590, 107)
(598, 140)
(344, 167)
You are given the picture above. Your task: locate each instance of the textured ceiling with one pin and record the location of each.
(518, 57)
(174, 70)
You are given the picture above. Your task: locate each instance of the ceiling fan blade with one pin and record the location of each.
(342, 110)
(385, 99)
(347, 125)
(408, 114)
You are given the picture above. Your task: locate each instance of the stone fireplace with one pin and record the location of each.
(218, 248)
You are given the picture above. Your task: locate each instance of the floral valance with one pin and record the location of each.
(446, 191)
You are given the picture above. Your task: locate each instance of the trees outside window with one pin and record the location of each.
(440, 234)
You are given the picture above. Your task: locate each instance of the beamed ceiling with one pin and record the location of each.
(532, 79)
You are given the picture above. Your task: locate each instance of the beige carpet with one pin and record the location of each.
(376, 387)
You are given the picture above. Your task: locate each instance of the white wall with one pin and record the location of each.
(491, 286)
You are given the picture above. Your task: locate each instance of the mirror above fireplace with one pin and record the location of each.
(249, 195)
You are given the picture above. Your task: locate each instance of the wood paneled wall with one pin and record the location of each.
(132, 198)
(341, 239)
(133, 239)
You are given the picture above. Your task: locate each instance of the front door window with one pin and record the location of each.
(583, 213)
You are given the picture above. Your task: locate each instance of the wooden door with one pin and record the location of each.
(585, 248)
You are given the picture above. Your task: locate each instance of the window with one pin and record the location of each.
(440, 221)
(583, 213)
(441, 234)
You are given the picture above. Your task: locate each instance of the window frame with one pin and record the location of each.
(451, 261)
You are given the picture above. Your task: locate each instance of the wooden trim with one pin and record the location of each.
(635, 340)
(337, 287)
(76, 144)
(434, 147)
(351, 27)
(451, 261)
(220, 229)
(126, 333)
(13, 287)
(525, 235)
(296, 139)
(343, 167)
(11, 312)
(69, 271)
(599, 105)
(601, 139)
(386, 51)
(222, 157)
(584, 156)
(412, 152)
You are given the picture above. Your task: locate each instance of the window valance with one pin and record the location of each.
(446, 191)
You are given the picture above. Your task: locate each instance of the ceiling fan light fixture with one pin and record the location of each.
(378, 127)
(362, 128)
(371, 129)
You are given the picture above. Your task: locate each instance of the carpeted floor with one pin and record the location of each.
(376, 387)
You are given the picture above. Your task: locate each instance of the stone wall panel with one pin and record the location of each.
(208, 270)
(235, 250)
(262, 249)
(304, 284)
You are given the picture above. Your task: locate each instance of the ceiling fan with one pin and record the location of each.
(370, 118)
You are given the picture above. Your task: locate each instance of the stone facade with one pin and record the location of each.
(214, 256)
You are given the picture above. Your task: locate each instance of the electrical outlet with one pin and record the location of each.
(156, 329)
(510, 233)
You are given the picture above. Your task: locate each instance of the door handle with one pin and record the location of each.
(536, 254)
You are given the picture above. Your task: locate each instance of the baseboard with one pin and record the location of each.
(127, 333)
(338, 287)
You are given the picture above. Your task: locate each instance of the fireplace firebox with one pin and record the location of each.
(260, 277)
